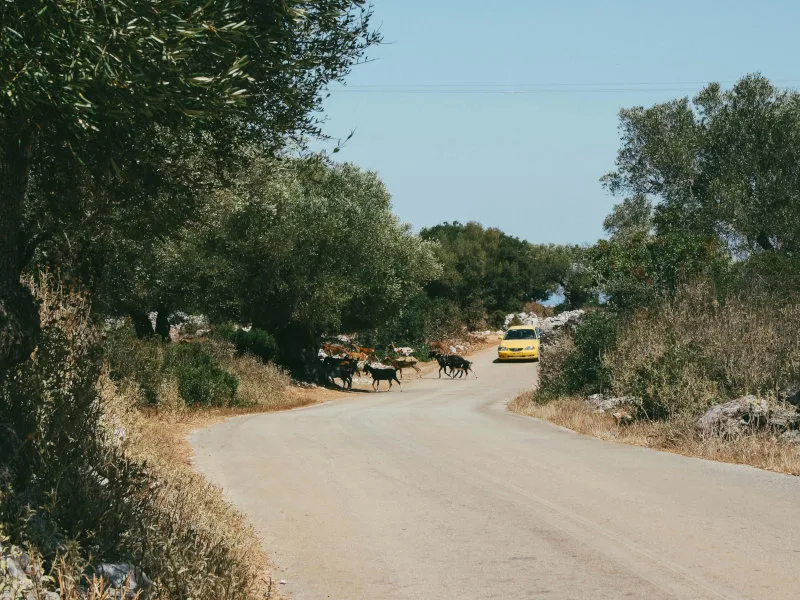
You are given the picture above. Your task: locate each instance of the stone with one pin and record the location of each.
(783, 416)
(791, 437)
(601, 403)
(734, 417)
(790, 395)
(124, 574)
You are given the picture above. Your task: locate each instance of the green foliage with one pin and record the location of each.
(422, 320)
(578, 365)
(149, 363)
(201, 381)
(706, 181)
(72, 488)
(61, 477)
(136, 360)
(299, 248)
(86, 70)
(486, 271)
(693, 351)
(117, 116)
(639, 270)
(255, 342)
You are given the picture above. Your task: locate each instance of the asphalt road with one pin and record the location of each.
(439, 493)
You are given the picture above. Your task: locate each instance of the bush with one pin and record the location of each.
(694, 351)
(60, 479)
(76, 490)
(135, 360)
(201, 380)
(263, 385)
(552, 383)
(576, 366)
(255, 342)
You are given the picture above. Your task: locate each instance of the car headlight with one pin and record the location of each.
(530, 347)
(502, 348)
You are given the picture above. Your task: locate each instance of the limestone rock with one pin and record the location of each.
(734, 417)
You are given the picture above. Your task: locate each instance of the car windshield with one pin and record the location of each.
(520, 334)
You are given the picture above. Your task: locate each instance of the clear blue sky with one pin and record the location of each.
(529, 163)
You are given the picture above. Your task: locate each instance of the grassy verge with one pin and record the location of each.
(677, 435)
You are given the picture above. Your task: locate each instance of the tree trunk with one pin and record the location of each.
(19, 314)
(162, 323)
(142, 324)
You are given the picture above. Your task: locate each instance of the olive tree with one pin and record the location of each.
(86, 86)
(300, 247)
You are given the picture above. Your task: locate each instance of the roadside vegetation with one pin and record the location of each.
(696, 349)
(171, 253)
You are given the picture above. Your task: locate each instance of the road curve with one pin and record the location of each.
(439, 493)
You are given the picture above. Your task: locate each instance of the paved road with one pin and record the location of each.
(439, 493)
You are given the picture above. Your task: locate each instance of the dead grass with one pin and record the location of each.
(761, 450)
(693, 351)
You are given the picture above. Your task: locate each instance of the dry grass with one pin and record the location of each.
(692, 352)
(678, 435)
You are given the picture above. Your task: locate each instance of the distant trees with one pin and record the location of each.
(93, 95)
(486, 271)
(298, 247)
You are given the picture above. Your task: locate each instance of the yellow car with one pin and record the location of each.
(519, 343)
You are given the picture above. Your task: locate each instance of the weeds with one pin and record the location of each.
(694, 351)
(759, 449)
(79, 483)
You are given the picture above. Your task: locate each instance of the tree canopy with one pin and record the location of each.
(488, 271)
(299, 246)
(704, 182)
(109, 97)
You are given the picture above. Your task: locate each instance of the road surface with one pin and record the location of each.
(439, 493)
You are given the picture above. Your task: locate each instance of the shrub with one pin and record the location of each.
(694, 351)
(76, 489)
(263, 385)
(60, 477)
(551, 368)
(497, 319)
(201, 380)
(135, 359)
(576, 366)
(255, 342)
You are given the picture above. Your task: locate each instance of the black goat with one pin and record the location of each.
(454, 362)
(440, 358)
(460, 365)
(382, 374)
(341, 368)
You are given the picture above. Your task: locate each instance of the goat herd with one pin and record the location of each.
(342, 362)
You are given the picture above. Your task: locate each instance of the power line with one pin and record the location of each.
(543, 88)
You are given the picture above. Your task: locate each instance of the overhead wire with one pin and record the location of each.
(541, 88)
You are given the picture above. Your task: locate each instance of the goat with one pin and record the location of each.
(438, 347)
(382, 374)
(405, 362)
(442, 359)
(454, 362)
(368, 352)
(334, 350)
(403, 351)
(340, 368)
(461, 365)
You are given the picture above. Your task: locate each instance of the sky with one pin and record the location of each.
(506, 113)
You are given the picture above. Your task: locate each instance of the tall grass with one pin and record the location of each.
(678, 358)
(695, 351)
(760, 449)
(79, 486)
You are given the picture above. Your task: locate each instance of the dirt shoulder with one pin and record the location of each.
(762, 450)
